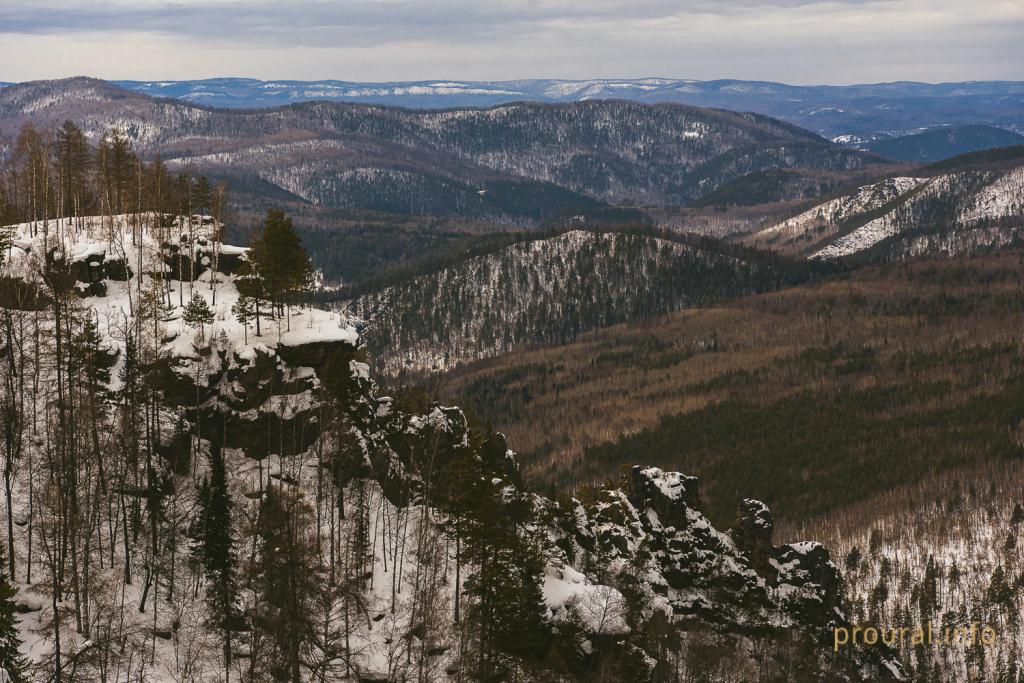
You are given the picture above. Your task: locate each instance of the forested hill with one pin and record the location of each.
(549, 290)
(529, 160)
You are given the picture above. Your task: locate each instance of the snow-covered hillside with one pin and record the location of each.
(946, 553)
(824, 220)
(953, 213)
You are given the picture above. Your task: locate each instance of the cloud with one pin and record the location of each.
(787, 40)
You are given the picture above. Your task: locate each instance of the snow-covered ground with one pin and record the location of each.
(136, 242)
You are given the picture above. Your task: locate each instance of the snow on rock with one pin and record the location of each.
(601, 609)
(651, 536)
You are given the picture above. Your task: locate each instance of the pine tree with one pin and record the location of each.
(279, 261)
(6, 235)
(999, 591)
(506, 611)
(853, 559)
(198, 313)
(244, 312)
(287, 581)
(11, 660)
(202, 194)
(216, 548)
(1017, 516)
(73, 160)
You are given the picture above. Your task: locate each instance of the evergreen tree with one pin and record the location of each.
(216, 548)
(853, 559)
(10, 659)
(286, 581)
(202, 194)
(999, 591)
(506, 609)
(244, 313)
(198, 313)
(1017, 516)
(73, 160)
(279, 261)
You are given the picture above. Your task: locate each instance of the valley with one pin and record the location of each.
(800, 397)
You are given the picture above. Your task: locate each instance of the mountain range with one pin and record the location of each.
(847, 113)
(514, 163)
(832, 111)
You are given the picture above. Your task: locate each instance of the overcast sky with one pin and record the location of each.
(844, 41)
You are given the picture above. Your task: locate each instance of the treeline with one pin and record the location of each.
(61, 174)
(765, 187)
(987, 159)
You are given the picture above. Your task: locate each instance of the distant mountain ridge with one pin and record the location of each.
(893, 108)
(845, 111)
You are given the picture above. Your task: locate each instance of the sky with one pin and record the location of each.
(793, 41)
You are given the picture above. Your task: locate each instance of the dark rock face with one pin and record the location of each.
(92, 271)
(229, 264)
(753, 534)
(259, 434)
(255, 402)
(670, 495)
(176, 450)
(191, 257)
(738, 582)
(808, 568)
(16, 294)
(314, 355)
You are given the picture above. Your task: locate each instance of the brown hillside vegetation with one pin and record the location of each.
(811, 398)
